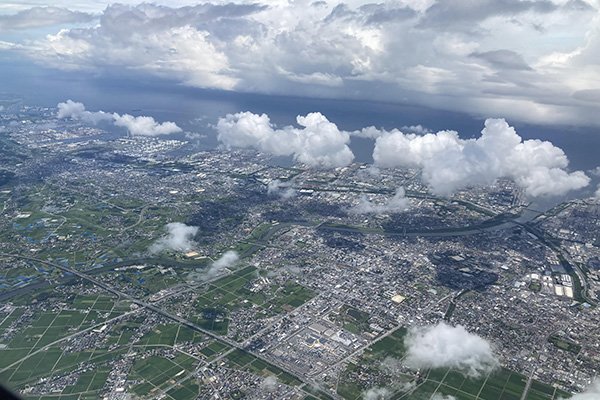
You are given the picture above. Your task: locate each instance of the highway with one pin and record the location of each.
(170, 316)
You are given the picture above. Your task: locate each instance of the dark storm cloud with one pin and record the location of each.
(522, 59)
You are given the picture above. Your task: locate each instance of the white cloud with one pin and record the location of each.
(157, 40)
(136, 126)
(90, 6)
(145, 126)
(36, 17)
(597, 193)
(418, 129)
(595, 171)
(493, 57)
(281, 189)
(376, 393)
(76, 111)
(445, 346)
(179, 237)
(592, 392)
(269, 384)
(438, 396)
(398, 203)
(319, 143)
(227, 260)
(450, 163)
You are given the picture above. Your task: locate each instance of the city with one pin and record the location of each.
(138, 267)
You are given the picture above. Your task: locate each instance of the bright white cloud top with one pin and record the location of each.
(445, 346)
(485, 58)
(145, 126)
(179, 237)
(136, 126)
(318, 143)
(450, 163)
(76, 111)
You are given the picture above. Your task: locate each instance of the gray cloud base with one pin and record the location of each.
(485, 58)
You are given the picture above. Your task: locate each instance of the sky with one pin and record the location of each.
(532, 61)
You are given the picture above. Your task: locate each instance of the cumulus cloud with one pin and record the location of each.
(457, 57)
(227, 260)
(37, 17)
(591, 393)
(172, 43)
(595, 171)
(319, 143)
(377, 393)
(597, 193)
(445, 346)
(145, 126)
(281, 189)
(179, 237)
(398, 203)
(450, 163)
(136, 126)
(76, 111)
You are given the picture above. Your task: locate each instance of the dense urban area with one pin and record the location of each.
(146, 268)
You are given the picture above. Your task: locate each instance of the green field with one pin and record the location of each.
(212, 308)
(247, 361)
(502, 384)
(172, 376)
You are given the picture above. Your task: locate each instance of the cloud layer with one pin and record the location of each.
(445, 346)
(136, 126)
(488, 58)
(450, 163)
(36, 17)
(179, 237)
(318, 143)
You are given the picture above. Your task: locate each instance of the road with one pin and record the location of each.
(173, 317)
(572, 268)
